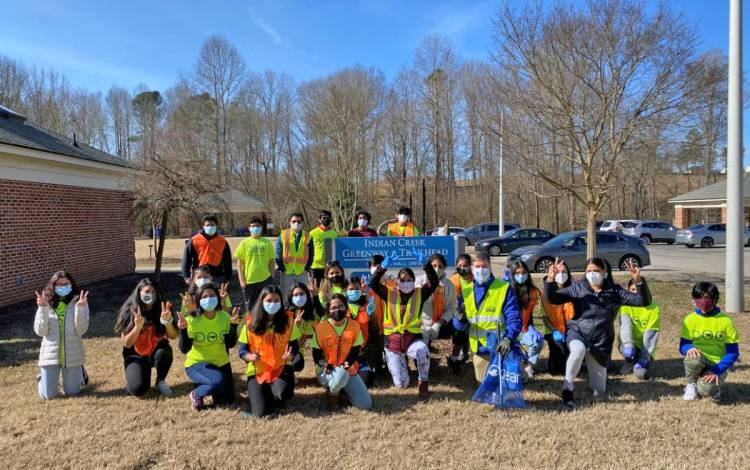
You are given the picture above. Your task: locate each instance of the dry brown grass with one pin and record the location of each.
(642, 424)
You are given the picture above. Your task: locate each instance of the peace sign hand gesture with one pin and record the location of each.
(223, 291)
(287, 353)
(187, 301)
(138, 319)
(557, 267)
(635, 271)
(166, 312)
(181, 322)
(298, 318)
(83, 299)
(235, 318)
(41, 301)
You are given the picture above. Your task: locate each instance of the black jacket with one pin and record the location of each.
(190, 261)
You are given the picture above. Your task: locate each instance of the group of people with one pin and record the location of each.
(357, 330)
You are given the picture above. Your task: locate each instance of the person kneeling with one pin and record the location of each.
(336, 347)
(639, 333)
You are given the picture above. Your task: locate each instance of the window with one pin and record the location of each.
(491, 228)
(605, 239)
(534, 234)
(520, 234)
(664, 226)
(649, 225)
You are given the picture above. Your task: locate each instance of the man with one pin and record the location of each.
(255, 263)
(491, 308)
(206, 248)
(363, 225)
(294, 254)
(320, 234)
(402, 228)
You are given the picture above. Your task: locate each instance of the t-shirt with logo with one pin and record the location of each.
(295, 335)
(208, 339)
(255, 255)
(642, 318)
(710, 334)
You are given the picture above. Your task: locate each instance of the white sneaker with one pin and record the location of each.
(164, 389)
(529, 369)
(690, 392)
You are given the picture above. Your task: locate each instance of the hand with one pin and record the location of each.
(187, 280)
(187, 301)
(166, 311)
(557, 267)
(223, 291)
(503, 347)
(538, 337)
(628, 352)
(345, 365)
(710, 377)
(287, 353)
(558, 336)
(313, 288)
(41, 301)
(693, 353)
(235, 318)
(389, 260)
(138, 319)
(635, 271)
(421, 258)
(641, 364)
(251, 357)
(83, 299)
(298, 318)
(181, 322)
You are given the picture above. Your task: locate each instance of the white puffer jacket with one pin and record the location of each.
(47, 326)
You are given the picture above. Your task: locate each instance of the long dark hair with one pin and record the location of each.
(124, 321)
(260, 316)
(49, 292)
(522, 291)
(199, 295)
(193, 287)
(308, 310)
(604, 265)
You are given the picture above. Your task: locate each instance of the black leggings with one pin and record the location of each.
(557, 356)
(138, 368)
(267, 398)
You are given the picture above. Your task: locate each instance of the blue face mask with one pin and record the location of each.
(272, 307)
(353, 295)
(255, 231)
(521, 278)
(209, 230)
(63, 291)
(209, 304)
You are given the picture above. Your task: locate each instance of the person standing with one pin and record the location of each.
(207, 248)
(363, 226)
(320, 234)
(402, 228)
(255, 263)
(295, 251)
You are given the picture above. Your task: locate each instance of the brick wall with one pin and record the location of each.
(48, 227)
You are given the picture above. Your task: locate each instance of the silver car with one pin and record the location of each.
(618, 249)
(706, 235)
(650, 231)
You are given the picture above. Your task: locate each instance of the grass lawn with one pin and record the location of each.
(641, 425)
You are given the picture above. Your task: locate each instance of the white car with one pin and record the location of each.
(615, 225)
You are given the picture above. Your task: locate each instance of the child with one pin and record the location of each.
(639, 333)
(709, 343)
(202, 276)
(527, 296)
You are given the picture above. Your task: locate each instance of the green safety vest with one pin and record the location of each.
(488, 318)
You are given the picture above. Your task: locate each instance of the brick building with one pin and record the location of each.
(63, 205)
(708, 205)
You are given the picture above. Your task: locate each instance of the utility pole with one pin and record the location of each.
(501, 222)
(735, 173)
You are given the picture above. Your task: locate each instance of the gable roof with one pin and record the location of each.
(17, 131)
(713, 192)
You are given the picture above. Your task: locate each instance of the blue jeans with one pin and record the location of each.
(534, 346)
(212, 380)
(355, 390)
(48, 381)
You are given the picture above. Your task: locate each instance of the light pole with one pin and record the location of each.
(735, 200)
(501, 222)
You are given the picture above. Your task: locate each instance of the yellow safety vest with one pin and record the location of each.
(488, 318)
(411, 321)
(294, 259)
(319, 237)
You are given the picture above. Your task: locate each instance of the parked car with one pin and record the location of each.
(570, 247)
(482, 231)
(612, 225)
(451, 231)
(706, 235)
(514, 239)
(651, 231)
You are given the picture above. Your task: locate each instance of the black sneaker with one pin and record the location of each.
(454, 365)
(568, 400)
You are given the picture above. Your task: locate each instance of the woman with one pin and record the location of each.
(402, 323)
(62, 317)
(527, 296)
(555, 317)
(206, 335)
(336, 351)
(201, 277)
(357, 310)
(362, 229)
(334, 282)
(267, 341)
(591, 332)
(145, 325)
(306, 314)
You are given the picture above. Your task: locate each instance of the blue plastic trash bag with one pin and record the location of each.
(502, 385)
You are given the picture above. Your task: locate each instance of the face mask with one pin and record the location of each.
(148, 298)
(561, 278)
(481, 275)
(520, 278)
(209, 303)
(705, 305)
(325, 221)
(353, 295)
(403, 218)
(296, 226)
(440, 272)
(272, 307)
(336, 279)
(373, 269)
(299, 300)
(594, 278)
(362, 222)
(202, 281)
(255, 231)
(63, 291)
(209, 230)
(406, 286)
(338, 314)
(463, 271)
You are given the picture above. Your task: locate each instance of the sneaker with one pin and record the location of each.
(424, 392)
(454, 364)
(717, 397)
(196, 402)
(568, 400)
(163, 388)
(529, 371)
(626, 369)
(690, 392)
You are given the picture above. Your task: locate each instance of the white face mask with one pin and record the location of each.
(296, 226)
(406, 286)
(202, 281)
(373, 269)
(595, 278)
(403, 218)
(561, 278)
(481, 275)
(362, 222)
(439, 272)
(148, 298)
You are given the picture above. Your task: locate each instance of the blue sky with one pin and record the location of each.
(101, 43)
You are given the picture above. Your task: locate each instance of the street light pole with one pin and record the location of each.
(501, 222)
(735, 173)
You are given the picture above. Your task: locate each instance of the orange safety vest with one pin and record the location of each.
(270, 346)
(209, 251)
(359, 314)
(336, 348)
(529, 310)
(438, 303)
(394, 230)
(558, 314)
(295, 260)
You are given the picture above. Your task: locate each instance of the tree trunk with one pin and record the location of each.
(591, 214)
(160, 247)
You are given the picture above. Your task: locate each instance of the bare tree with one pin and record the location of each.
(13, 82)
(120, 120)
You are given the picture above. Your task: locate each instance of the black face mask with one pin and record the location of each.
(326, 221)
(337, 315)
(463, 271)
(337, 279)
